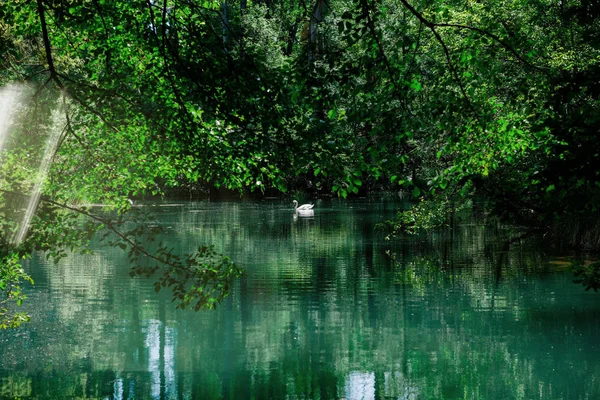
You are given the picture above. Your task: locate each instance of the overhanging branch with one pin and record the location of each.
(47, 47)
(453, 70)
(498, 40)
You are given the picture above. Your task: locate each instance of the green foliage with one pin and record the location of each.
(198, 280)
(423, 216)
(204, 278)
(438, 92)
(426, 215)
(587, 274)
(12, 277)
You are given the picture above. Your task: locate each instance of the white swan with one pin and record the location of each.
(303, 207)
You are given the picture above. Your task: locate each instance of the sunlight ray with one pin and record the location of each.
(51, 145)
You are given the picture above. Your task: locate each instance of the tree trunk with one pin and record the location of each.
(225, 21)
(315, 20)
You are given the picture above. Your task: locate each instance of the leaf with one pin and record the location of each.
(415, 85)
(347, 15)
(416, 192)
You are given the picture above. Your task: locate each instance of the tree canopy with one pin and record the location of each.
(445, 100)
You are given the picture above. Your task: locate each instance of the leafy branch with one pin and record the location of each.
(451, 65)
(509, 48)
(200, 280)
(11, 277)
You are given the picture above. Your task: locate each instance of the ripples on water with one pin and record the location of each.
(328, 309)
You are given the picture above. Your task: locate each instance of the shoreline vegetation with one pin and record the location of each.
(578, 234)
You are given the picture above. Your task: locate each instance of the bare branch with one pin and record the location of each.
(47, 46)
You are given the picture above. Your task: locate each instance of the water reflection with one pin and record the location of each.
(360, 385)
(328, 309)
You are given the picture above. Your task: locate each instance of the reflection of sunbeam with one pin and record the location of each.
(360, 385)
(170, 375)
(118, 388)
(164, 352)
(52, 142)
(153, 346)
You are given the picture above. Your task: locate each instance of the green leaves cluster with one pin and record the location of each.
(12, 277)
(587, 274)
(202, 281)
(199, 280)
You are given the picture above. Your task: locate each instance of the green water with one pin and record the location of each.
(328, 309)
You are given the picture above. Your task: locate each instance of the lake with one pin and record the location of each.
(328, 309)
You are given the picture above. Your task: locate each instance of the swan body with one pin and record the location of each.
(303, 207)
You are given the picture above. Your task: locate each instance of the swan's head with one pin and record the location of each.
(295, 203)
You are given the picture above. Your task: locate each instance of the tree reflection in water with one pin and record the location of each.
(328, 309)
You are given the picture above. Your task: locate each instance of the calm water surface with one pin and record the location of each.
(328, 309)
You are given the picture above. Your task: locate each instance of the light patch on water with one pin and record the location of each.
(161, 359)
(57, 127)
(153, 345)
(360, 385)
(118, 388)
(169, 367)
